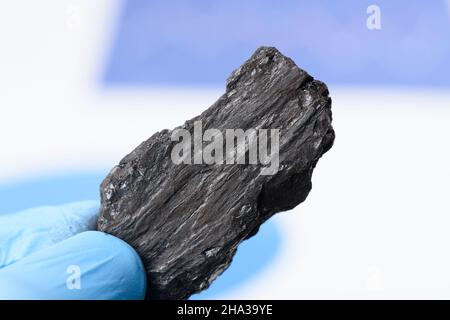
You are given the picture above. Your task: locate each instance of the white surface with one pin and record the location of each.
(375, 224)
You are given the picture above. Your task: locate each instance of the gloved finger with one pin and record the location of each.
(89, 265)
(29, 231)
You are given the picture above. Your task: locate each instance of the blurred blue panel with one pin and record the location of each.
(192, 42)
(50, 190)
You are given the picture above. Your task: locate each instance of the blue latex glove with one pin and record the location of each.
(49, 253)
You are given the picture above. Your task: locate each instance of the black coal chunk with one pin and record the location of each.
(187, 220)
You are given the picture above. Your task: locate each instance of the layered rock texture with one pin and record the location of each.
(187, 219)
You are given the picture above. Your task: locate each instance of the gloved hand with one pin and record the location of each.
(52, 253)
